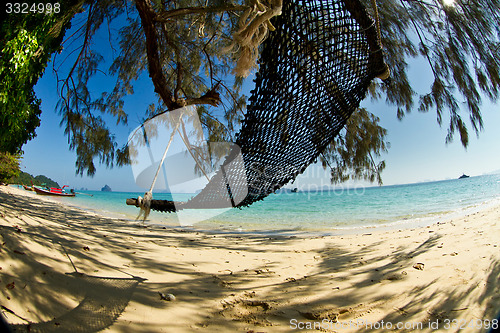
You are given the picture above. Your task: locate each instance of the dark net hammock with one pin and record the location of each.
(314, 70)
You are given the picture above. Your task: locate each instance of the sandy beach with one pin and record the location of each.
(66, 270)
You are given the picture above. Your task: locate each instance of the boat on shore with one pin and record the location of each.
(54, 191)
(28, 188)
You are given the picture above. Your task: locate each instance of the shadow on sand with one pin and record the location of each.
(243, 299)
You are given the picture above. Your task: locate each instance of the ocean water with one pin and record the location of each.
(330, 212)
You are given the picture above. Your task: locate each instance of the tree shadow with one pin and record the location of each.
(38, 252)
(103, 302)
(316, 297)
(336, 284)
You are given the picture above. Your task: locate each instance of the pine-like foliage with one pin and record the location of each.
(460, 44)
(179, 44)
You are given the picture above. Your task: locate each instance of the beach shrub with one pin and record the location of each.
(9, 166)
(26, 45)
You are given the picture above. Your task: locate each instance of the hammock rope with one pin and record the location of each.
(314, 70)
(254, 26)
(145, 203)
(387, 73)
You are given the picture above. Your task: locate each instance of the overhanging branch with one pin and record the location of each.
(171, 14)
(148, 19)
(147, 15)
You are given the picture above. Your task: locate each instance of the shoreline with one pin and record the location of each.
(58, 260)
(424, 220)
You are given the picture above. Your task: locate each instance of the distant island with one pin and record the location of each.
(463, 176)
(25, 178)
(106, 188)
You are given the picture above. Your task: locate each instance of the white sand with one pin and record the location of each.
(231, 283)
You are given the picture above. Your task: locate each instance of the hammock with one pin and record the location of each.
(314, 70)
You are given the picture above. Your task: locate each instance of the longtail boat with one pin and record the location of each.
(28, 188)
(54, 191)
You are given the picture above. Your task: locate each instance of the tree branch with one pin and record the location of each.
(147, 15)
(148, 19)
(212, 97)
(82, 51)
(417, 30)
(206, 53)
(168, 15)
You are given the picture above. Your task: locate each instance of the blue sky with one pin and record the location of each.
(418, 151)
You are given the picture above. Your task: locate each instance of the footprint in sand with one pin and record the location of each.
(250, 311)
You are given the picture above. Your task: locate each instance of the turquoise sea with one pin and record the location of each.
(329, 212)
